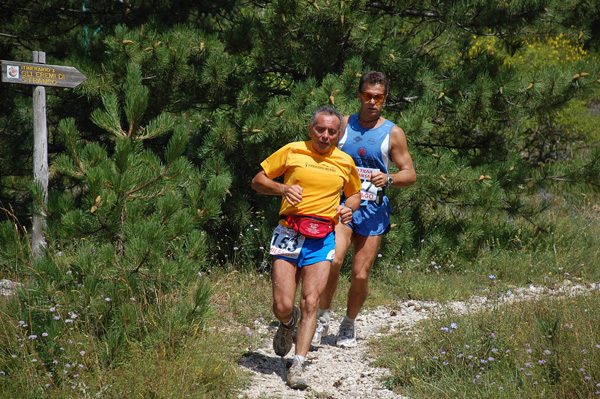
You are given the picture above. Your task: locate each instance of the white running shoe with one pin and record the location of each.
(321, 330)
(346, 336)
(295, 379)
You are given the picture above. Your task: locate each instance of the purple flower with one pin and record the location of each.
(547, 352)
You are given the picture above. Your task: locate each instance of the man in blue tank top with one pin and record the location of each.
(373, 142)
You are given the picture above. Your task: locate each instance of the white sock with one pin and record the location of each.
(300, 359)
(324, 313)
(290, 321)
(347, 320)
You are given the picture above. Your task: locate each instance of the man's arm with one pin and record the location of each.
(406, 175)
(263, 184)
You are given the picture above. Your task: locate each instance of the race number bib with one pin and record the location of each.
(368, 191)
(286, 242)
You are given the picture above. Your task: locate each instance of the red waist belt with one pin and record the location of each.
(309, 226)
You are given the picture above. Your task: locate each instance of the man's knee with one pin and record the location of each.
(360, 276)
(282, 307)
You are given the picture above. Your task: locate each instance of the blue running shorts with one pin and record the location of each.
(371, 219)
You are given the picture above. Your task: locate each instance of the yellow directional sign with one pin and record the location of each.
(41, 74)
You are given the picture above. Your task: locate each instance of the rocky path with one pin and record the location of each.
(336, 373)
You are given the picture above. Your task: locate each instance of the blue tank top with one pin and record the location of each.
(369, 148)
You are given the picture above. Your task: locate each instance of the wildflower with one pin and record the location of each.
(107, 299)
(491, 277)
(527, 364)
(53, 309)
(235, 248)
(547, 352)
(32, 336)
(529, 350)
(44, 334)
(68, 321)
(453, 325)
(199, 274)
(492, 335)
(542, 361)
(82, 353)
(56, 317)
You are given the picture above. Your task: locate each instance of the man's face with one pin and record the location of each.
(324, 133)
(372, 99)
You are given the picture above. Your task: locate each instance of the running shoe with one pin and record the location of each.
(294, 376)
(284, 337)
(346, 336)
(321, 330)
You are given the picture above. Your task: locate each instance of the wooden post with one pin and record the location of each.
(40, 159)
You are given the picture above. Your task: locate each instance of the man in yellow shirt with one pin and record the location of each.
(315, 174)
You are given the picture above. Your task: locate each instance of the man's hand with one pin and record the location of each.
(345, 214)
(293, 194)
(379, 179)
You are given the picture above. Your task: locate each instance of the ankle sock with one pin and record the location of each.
(347, 320)
(300, 359)
(290, 322)
(324, 313)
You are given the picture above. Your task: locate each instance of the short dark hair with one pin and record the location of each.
(373, 78)
(326, 109)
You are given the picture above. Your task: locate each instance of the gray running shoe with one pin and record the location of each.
(284, 337)
(346, 336)
(321, 330)
(294, 376)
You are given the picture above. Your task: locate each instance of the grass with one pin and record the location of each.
(544, 348)
(541, 348)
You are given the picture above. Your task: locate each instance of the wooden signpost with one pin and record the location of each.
(40, 75)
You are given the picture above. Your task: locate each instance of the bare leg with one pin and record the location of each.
(343, 239)
(285, 281)
(314, 278)
(365, 251)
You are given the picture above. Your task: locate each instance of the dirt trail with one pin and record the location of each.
(337, 373)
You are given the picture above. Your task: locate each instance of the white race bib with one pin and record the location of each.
(369, 190)
(286, 242)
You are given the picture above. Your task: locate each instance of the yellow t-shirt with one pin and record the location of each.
(322, 178)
